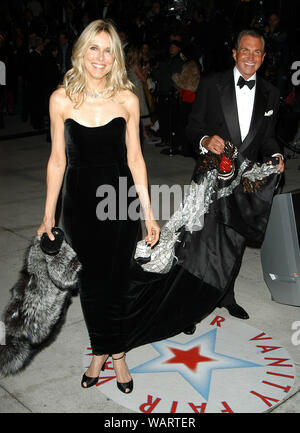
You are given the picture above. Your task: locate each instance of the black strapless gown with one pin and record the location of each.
(97, 156)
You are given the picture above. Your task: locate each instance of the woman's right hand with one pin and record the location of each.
(46, 226)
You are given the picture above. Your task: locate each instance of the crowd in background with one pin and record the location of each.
(168, 45)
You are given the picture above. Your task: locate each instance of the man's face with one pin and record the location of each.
(63, 39)
(122, 36)
(173, 50)
(40, 47)
(273, 21)
(156, 8)
(249, 56)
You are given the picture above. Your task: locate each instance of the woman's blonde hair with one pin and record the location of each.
(75, 80)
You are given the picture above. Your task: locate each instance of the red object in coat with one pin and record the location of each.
(225, 164)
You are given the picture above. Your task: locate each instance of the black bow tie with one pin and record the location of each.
(242, 82)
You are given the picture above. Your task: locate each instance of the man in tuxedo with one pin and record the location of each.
(240, 107)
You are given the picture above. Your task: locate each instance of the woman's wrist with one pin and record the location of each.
(149, 217)
(147, 212)
(48, 217)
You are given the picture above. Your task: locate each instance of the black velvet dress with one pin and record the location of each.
(124, 305)
(97, 156)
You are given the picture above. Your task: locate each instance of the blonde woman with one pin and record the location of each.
(95, 142)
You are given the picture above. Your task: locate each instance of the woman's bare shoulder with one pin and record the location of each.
(59, 100)
(129, 98)
(59, 96)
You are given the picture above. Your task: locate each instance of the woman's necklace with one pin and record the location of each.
(94, 95)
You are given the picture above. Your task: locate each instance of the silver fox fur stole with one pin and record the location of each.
(38, 304)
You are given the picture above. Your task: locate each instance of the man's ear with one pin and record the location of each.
(234, 54)
(264, 55)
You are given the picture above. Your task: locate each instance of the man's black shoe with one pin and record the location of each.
(190, 330)
(237, 311)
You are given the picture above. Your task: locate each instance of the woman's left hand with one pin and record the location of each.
(153, 231)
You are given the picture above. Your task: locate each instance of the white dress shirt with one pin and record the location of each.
(245, 103)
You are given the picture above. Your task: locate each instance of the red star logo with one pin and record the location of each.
(190, 358)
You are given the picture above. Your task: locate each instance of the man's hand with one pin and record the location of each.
(280, 166)
(214, 144)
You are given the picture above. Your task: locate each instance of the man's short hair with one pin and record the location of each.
(252, 33)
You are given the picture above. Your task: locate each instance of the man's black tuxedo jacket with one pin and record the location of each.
(215, 113)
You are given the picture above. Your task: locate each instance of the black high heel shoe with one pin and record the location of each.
(90, 381)
(124, 386)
